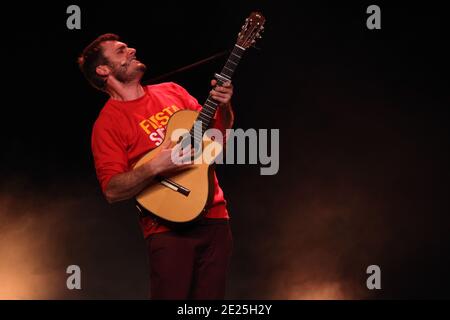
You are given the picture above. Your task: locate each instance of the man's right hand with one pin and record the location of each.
(126, 185)
(163, 162)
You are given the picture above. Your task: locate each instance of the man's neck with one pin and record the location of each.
(125, 91)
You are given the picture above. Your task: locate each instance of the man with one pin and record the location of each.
(188, 264)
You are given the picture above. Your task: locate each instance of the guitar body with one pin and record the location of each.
(198, 179)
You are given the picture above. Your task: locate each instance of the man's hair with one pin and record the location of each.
(92, 57)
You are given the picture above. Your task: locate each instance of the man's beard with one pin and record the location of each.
(124, 74)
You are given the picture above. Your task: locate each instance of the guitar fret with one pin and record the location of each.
(236, 61)
(229, 66)
(203, 115)
(231, 71)
(208, 113)
(211, 108)
(205, 119)
(211, 101)
(228, 75)
(209, 105)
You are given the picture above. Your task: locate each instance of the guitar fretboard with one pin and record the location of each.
(210, 106)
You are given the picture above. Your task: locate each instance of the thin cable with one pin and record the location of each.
(185, 68)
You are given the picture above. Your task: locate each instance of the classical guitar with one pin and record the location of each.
(181, 196)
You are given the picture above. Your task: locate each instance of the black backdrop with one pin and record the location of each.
(363, 120)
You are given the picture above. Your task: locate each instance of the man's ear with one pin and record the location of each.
(103, 70)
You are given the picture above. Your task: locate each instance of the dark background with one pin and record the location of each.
(364, 139)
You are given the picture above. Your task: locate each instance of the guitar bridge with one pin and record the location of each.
(173, 185)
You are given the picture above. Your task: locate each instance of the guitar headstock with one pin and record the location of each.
(251, 30)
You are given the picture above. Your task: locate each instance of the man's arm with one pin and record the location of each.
(126, 185)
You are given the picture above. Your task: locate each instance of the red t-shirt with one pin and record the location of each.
(126, 130)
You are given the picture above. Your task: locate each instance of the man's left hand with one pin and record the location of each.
(222, 93)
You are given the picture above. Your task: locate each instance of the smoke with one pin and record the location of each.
(45, 229)
(311, 231)
(319, 246)
(27, 268)
(317, 243)
(309, 234)
(327, 245)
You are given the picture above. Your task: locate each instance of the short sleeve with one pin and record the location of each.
(108, 149)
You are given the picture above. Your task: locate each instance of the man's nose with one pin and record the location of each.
(131, 51)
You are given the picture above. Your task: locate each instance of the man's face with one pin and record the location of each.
(122, 61)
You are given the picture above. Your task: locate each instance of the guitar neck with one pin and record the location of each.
(210, 106)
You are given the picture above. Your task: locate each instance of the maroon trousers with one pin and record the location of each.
(190, 264)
